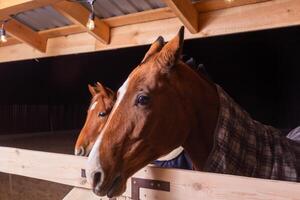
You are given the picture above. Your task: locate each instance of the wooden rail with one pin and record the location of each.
(148, 183)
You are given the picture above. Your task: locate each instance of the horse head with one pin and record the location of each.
(101, 104)
(151, 117)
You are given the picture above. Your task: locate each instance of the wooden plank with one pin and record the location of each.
(10, 7)
(186, 12)
(62, 31)
(79, 14)
(134, 18)
(81, 193)
(26, 35)
(211, 5)
(51, 33)
(59, 168)
(252, 17)
(184, 184)
(10, 41)
(139, 17)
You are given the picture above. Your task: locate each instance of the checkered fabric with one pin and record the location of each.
(243, 146)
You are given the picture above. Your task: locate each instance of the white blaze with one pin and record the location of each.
(93, 106)
(93, 163)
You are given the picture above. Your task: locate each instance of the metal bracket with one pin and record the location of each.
(83, 173)
(137, 183)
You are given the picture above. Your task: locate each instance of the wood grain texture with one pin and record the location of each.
(10, 41)
(184, 184)
(252, 17)
(211, 5)
(80, 194)
(23, 33)
(78, 14)
(14, 187)
(59, 168)
(140, 17)
(51, 33)
(186, 12)
(62, 31)
(11, 7)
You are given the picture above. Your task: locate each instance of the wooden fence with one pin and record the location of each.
(148, 183)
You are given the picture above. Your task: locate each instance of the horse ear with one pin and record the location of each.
(171, 52)
(155, 47)
(101, 89)
(98, 88)
(93, 90)
(110, 92)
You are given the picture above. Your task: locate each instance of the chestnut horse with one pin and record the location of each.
(163, 105)
(102, 102)
(103, 99)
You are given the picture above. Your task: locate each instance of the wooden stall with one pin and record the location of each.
(45, 28)
(148, 183)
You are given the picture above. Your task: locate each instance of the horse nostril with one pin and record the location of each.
(80, 151)
(96, 179)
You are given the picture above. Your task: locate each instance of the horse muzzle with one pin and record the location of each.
(110, 190)
(81, 151)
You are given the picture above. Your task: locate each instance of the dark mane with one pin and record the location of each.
(199, 68)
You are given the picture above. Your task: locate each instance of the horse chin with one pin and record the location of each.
(117, 188)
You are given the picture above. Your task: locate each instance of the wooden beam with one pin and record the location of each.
(26, 35)
(79, 14)
(43, 165)
(186, 12)
(184, 184)
(11, 7)
(211, 5)
(10, 41)
(62, 31)
(166, 13)
(51, 33)
(252, 17)
(140, 17)
(81, 193)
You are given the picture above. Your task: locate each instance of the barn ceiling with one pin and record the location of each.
(33, 23)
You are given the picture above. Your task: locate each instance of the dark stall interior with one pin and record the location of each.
(259, 69)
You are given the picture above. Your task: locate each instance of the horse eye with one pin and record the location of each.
(102, 114)
(143, 100)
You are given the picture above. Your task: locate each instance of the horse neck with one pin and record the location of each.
(202, 104)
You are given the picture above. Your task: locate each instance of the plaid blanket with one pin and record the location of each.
(243, 146)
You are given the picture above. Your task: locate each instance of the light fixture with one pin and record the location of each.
(229, 1)
(91, 23)
(3, 37)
